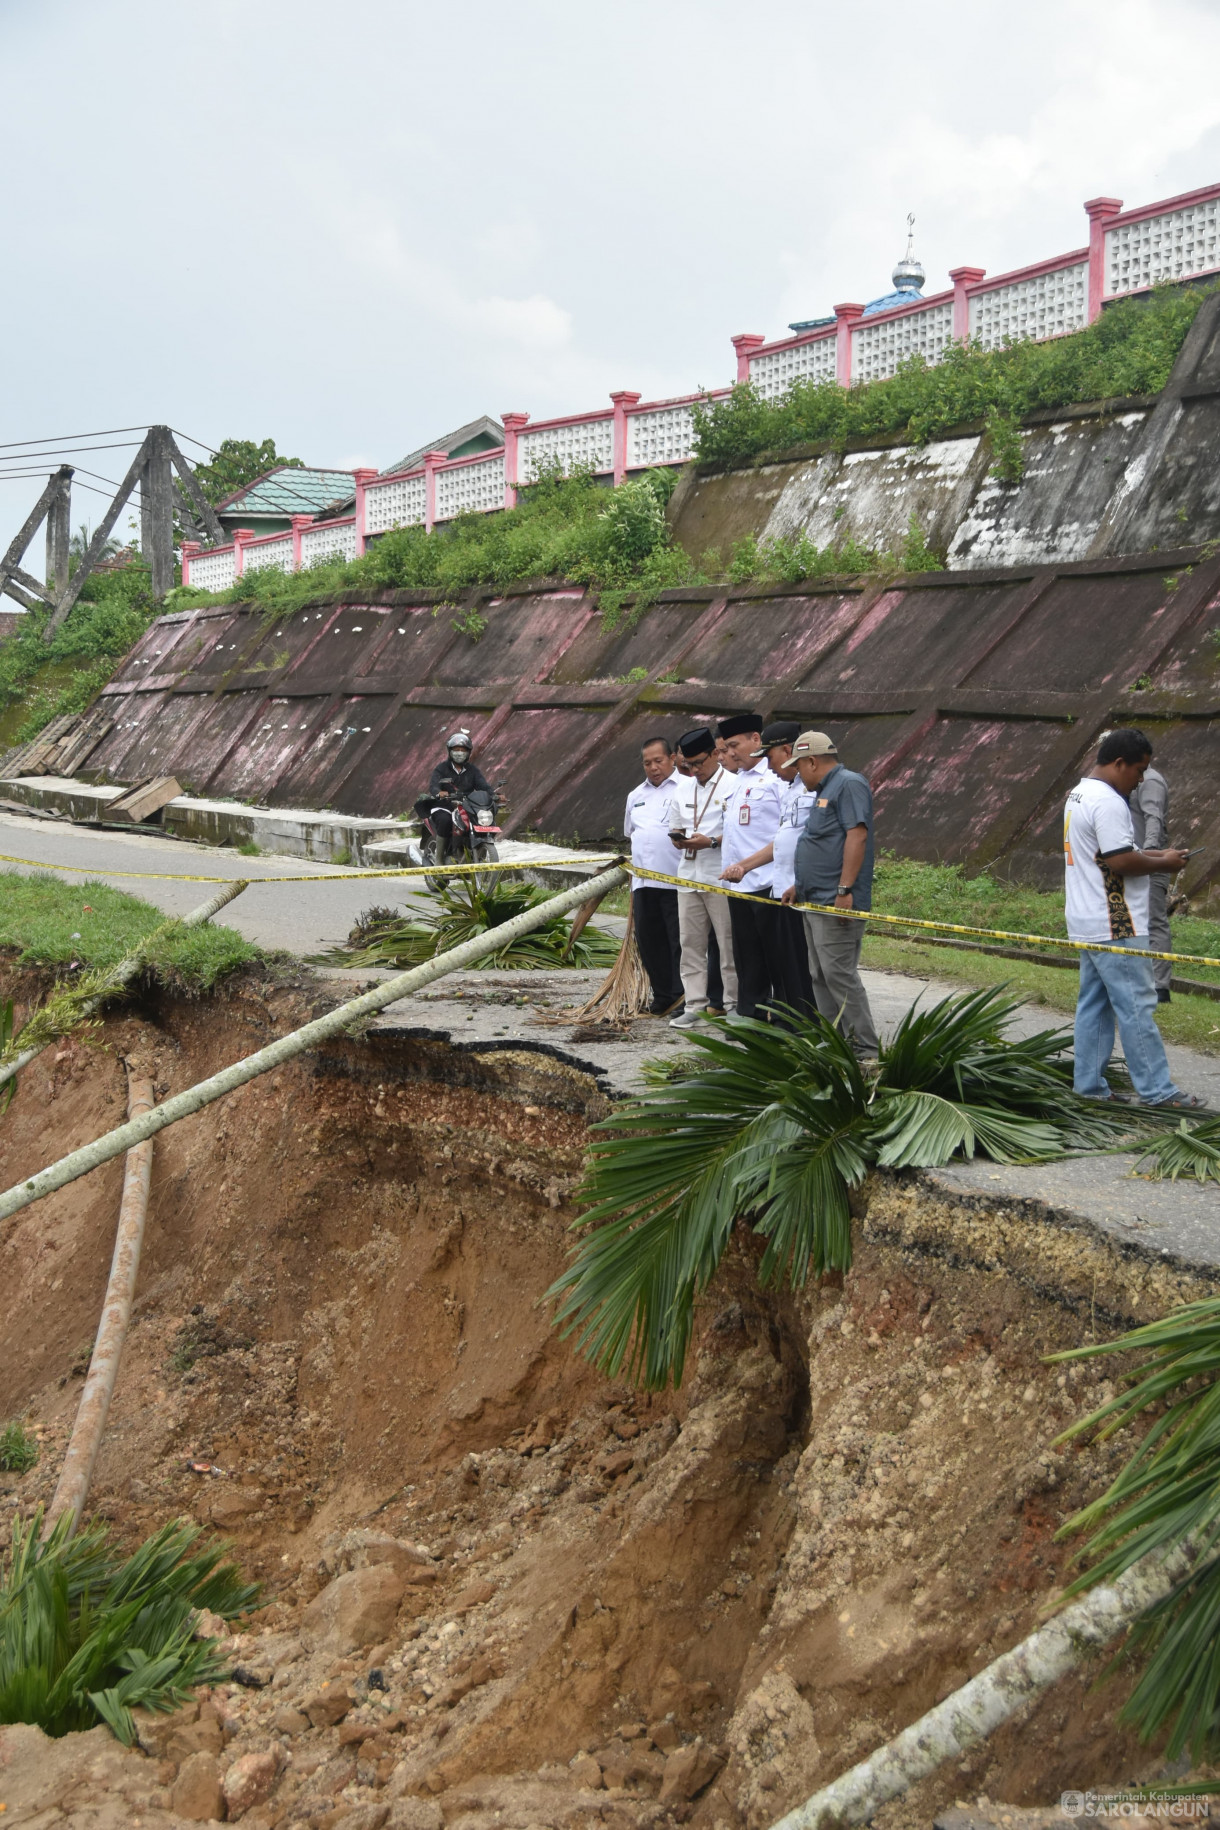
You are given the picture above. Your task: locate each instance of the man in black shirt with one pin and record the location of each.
(451, 779)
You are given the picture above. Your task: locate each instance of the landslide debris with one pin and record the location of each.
(499, 1591)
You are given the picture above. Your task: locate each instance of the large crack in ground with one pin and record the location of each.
(586, 1605)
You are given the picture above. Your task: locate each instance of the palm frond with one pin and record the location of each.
(1168, 1492)
(1187, 1150)
(87, 1634)
(775, 1125)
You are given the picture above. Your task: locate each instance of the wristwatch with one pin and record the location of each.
(845, 889)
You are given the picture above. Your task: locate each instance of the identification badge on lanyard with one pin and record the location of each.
(690, 854)
(743, 816)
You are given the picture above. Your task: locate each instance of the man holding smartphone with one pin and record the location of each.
(1106, 891)
(696, 831)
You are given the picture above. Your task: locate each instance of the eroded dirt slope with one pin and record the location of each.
(500, 1591)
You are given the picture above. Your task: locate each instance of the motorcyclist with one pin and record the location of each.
(451, 780)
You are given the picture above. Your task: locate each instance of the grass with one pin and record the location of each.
(1129, 351)
(944, 892)
(18, 1449)
(42, 680)
(62, 925)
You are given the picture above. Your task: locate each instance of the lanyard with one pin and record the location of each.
(707, 803)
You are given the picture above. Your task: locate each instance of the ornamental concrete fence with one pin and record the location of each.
(1127, 253)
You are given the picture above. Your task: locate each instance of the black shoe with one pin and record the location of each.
(1163, 997)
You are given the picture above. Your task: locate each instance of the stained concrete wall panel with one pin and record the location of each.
(536, 744)
(521, 633)
(1187, 493)
(590, 801)
(165, 743)
(1080, 634)
(762, 640)
(914, 639)
(872, 495)
(1193, 663)
(408, 653)
(156, 652)
(225, 645)
(256, 762)
(1054, 512)
(227, 716)
(396, 768)
(330, 745)
(598, 654)
(338, 652)
(135, 716)
(860, 740)
(942, 800)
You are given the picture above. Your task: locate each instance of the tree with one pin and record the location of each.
(240, 461)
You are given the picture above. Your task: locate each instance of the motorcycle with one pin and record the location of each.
(471, 841)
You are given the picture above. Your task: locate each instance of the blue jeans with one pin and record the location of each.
(1114, 990)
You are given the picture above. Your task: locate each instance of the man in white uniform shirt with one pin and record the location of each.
(751, 821)
(791, 981)
(1106, 892)
(655, 905)
(696, 829)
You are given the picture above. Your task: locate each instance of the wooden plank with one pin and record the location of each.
(144, 799)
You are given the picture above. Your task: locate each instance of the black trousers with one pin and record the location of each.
(770, 955)
(656, 935)
(715, 979)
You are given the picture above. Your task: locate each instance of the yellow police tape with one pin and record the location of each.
(718, 889)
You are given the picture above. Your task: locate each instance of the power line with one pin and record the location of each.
(63, 438)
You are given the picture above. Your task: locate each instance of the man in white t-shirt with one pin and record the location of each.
(1106, 891)
(696, 829)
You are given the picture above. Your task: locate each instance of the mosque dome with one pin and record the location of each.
(908, 277)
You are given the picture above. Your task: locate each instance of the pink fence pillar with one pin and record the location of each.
(623, 399)
(189, 549)
(1099, 211)
(847, 315)
(363, 479)
(299, 524)
(240, 537)
(963, 278)
(514, 424)
(745, 344)
(431, 460)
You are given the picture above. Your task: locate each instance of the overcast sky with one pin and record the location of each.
(354, 226)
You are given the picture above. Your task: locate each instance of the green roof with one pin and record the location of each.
(288, 491)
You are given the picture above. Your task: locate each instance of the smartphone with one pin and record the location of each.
(1194, 852)
(678, 834)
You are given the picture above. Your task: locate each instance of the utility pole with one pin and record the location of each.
(59, 532)
(157, 510)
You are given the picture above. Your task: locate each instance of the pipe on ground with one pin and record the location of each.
(77, 1471)
(126, 970)
(182, 1105)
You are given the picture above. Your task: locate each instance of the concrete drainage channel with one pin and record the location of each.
(501, 1591)
(322, 836)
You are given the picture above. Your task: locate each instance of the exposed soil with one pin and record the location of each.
(539, 1599)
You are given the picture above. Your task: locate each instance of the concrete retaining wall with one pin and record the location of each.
(1103, 479)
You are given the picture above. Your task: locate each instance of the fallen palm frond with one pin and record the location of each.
(626, 992)
(1167, 1494)
(1188, 1150)
(777, 1127)
(87, 1634)
(383, 937)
